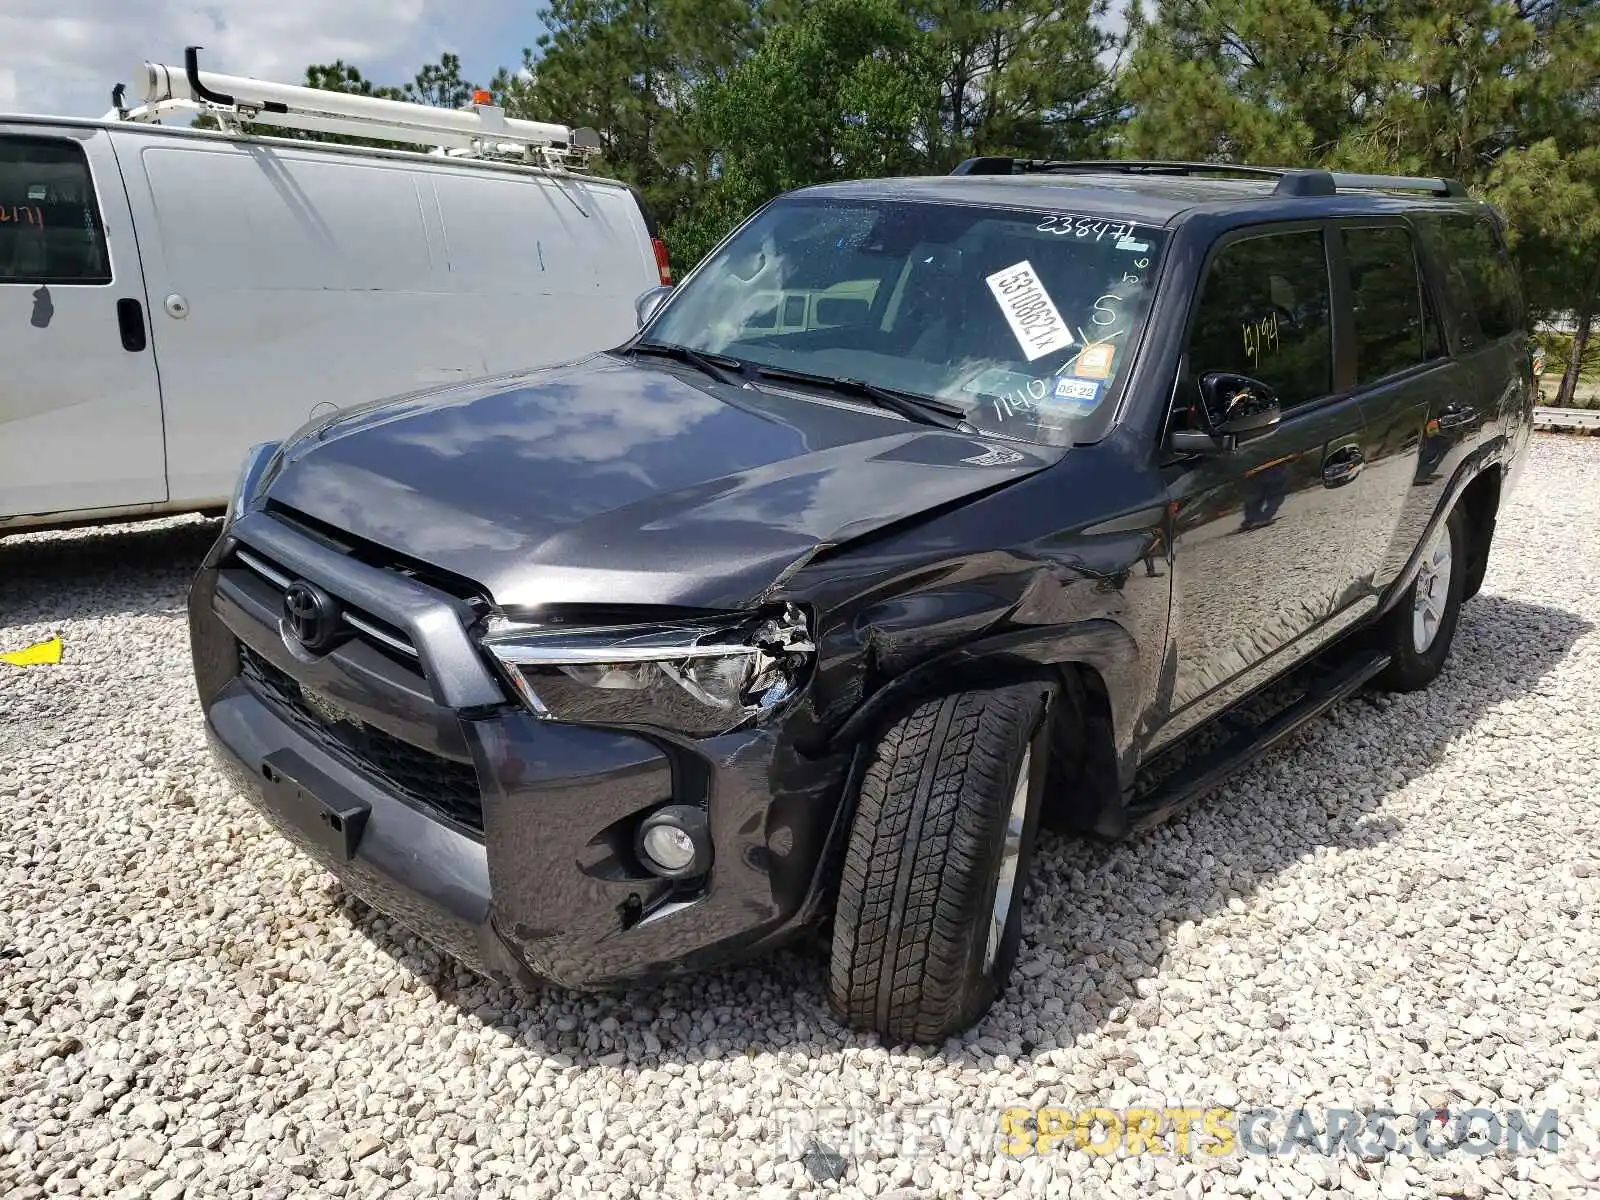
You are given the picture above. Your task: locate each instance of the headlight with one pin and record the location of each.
(698, 678)
(256, 461)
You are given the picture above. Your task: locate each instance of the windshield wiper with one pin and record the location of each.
(718, 366)
(912, 405)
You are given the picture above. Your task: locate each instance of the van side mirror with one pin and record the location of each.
(646, 305)
(1236, 409)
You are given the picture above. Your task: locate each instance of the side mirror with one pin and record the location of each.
(646, 305)
(1236, 409)
(1238, 406)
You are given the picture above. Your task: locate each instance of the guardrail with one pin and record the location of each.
(1584, 419)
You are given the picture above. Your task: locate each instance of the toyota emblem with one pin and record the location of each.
(310, 616)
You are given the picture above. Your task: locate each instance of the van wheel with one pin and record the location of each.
(1418, 632)
(930, 896)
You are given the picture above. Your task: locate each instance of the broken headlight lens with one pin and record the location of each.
(698, 678)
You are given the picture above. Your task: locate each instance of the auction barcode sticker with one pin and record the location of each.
(1029, 311)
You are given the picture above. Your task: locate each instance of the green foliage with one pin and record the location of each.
(1026, 77)
(1558, 350)
(1503, 96)
(838, 93)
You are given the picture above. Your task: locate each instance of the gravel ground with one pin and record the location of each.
(1395, 911)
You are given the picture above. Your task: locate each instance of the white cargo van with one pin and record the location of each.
(170, 296)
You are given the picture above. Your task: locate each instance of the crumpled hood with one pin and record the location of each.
(604, 482)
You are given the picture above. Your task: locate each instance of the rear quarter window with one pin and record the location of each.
(1393, 325)
(1478, 280)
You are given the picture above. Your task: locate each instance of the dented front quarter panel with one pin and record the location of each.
(997, 589)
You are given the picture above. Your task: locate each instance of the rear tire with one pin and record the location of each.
(1417, 633)
(929, 910)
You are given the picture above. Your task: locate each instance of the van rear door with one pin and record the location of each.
(80, 402)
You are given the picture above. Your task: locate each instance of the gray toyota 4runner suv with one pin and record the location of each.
(922, 511)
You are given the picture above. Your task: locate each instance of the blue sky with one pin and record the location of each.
(63, 56)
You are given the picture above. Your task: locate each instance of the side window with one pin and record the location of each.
(1480, 282)
(50, 230)
(1392, 333)
(1263, 312)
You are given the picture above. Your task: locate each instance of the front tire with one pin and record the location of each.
(929, 911)
(1418, 632)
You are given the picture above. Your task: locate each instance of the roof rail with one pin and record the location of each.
(479, 130)
(1398, 183)
(1292, 181)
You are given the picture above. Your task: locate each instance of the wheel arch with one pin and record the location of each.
(1094, 667)
(1480, 503)
(1484, 472)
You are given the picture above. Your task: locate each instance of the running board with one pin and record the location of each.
(1210, 770)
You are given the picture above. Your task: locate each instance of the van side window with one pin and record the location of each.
(1263, 312)
(50, 230)
(1392, 333)
(1480, 282)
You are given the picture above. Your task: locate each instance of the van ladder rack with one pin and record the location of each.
(1291, 181)
(479, 130)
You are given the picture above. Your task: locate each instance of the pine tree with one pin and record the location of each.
(1026, 77)
(1502, 96)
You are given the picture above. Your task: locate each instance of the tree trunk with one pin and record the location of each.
(1580, 338)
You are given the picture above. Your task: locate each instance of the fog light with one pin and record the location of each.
(674, 842)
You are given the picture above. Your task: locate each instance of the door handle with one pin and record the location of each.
(1454, 416)
(1342, 466)
(130, 321)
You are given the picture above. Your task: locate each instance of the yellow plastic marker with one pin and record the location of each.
(35, 655)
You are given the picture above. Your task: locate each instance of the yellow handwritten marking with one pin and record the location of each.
(1261, 338)
(39, 654)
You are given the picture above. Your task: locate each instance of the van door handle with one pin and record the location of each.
(130, 321)
(1342, 466)
(1454, 416)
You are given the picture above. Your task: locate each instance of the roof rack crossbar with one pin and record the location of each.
(241, 106)
(1292, 181)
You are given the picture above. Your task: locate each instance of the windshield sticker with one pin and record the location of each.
(1094, 361)
(1028, 309)
(997, 381)
(1127, 243)
(1075, 397)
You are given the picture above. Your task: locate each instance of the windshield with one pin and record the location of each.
(1022, 320)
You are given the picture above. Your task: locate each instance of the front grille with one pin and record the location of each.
(437, 785)
(385, 637)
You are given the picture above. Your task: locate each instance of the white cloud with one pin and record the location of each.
(64, 58)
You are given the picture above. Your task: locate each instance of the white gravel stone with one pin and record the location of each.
(1395, 910)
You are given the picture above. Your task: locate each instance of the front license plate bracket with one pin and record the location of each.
(321, 809)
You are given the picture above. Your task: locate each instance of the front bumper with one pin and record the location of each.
(500, 838)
